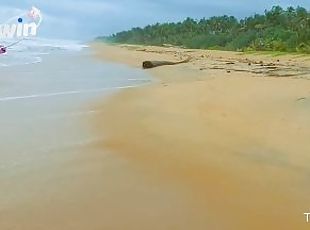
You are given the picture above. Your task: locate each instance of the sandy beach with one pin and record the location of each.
(227, 134)
(220, 142)
(154, 115)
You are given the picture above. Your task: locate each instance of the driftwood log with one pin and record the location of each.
(153, 64)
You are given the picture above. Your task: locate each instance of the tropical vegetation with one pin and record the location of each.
(277, 29)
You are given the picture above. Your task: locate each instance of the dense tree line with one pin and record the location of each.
(277, 29)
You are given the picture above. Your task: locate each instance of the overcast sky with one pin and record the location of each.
(85, 19)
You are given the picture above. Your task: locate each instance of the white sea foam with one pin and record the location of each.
(63, 93)
(30, 51)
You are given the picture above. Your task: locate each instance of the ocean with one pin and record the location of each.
(32, 50)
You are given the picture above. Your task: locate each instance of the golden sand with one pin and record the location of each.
(227, 133)
(220, 143)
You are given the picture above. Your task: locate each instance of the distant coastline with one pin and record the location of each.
(278, 29)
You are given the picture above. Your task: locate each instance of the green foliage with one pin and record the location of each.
(303, 48)
(277, 29)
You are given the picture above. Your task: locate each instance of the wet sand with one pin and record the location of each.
(200, 148)
(50, 176)
(227, 134)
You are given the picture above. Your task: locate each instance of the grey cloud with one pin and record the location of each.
(89, 18)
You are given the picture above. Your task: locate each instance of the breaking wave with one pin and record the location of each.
(31, 51)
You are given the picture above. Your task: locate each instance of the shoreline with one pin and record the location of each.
(237, 141)
(49, 172)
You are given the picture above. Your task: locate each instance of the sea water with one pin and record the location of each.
(47, 89)
(32, 50)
